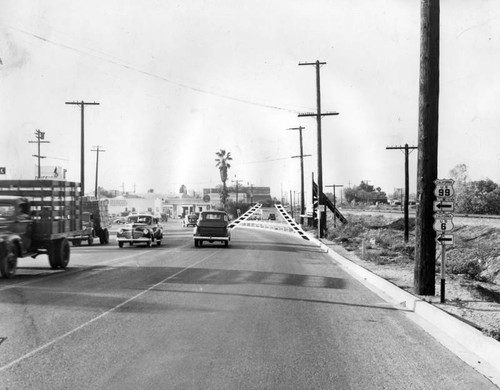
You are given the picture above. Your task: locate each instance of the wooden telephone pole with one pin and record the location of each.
(319, 115)
(82, 105)
(40, 135)
(407, 149)
(302, 155)
(98, 150)
(425, 244)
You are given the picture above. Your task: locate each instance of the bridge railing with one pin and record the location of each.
(267, 225)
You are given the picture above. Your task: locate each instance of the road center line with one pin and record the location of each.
(35, 351)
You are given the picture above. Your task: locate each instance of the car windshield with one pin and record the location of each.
(7, 211)
(139, 219)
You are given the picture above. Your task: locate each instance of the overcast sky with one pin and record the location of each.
(179, 80)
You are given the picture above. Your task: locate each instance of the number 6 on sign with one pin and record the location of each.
(443, 225)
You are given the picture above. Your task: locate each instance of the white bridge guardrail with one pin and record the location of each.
(289, 226)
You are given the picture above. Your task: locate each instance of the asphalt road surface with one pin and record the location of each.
(270, 312)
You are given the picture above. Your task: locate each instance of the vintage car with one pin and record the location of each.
(212, 226)
(140, 229)
(190, 219)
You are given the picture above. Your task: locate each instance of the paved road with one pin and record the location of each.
(269, 312)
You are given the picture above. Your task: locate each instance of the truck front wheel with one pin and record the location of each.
(8, 262)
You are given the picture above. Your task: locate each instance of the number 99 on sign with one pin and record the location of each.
(444, 189)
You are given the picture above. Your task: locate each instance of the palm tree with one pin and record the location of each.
(223, 165)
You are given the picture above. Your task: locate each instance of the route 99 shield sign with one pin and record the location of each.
(444, 188)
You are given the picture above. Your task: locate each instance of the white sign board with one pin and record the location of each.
(444, 188)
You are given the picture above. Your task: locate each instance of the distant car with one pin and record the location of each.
(212, 226)
(140, 229)
(190, 220)
(272, 217)
(120, 221)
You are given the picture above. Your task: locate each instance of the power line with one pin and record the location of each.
(150, 74)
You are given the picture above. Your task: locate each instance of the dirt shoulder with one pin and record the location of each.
(472, 292)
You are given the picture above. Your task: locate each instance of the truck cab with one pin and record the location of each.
(15, 222)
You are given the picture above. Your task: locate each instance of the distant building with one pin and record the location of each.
(246, 194)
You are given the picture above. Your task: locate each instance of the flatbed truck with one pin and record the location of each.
(36, 217)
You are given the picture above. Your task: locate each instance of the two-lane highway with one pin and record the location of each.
(272, 311)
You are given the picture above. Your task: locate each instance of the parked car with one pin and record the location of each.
(120, 221)
(190, 219)
(140, 229)
(212, 226)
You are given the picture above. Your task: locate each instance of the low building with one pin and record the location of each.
(245, 194)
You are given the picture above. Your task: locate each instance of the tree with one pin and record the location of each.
(183, 189)
(479, 197)
(460, 175)
(223, 165)
(365, 193)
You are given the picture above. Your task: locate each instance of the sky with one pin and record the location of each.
(177, 81)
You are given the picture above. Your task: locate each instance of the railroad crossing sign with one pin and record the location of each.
(445, 239)
(444, 188)
(443, 223)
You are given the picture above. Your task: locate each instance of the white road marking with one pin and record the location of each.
(35, 351)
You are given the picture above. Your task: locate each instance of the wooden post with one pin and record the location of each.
(425, 245)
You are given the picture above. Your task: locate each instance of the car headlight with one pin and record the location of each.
(120, 231)
(146, 231)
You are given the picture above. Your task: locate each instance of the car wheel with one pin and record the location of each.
(8, 263)
(196, 243)
(226, 244)
(158, 242)
(120, 244)
(90, 240)
(148, 244)
(200, 242)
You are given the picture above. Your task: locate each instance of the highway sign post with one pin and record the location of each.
(443, 221)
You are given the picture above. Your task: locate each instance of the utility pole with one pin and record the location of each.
(319, 115)
(82, 105)
(302, 196)
(428, 122)
(406, 149)
(40, 135)
(98, 150)
(334, 201)
(236, 181)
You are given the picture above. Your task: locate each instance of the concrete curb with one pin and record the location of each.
(468, 343)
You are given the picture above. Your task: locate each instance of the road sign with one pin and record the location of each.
(443, 206)
(206, 198)
(2, 170)
(445, 239)
(444, 188)
(443, 223)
